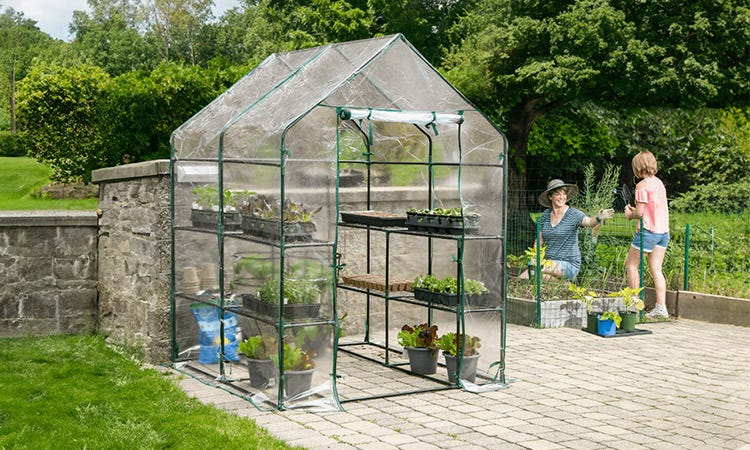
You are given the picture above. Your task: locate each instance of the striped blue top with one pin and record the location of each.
(562, 239)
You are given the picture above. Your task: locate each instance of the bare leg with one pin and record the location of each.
(552, 273)
(655, 260)
(632, 263)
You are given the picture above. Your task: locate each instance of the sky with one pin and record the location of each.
(54, 16)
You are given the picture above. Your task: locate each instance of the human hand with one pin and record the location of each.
(604, 214)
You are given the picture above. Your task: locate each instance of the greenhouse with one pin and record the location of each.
(339, 206)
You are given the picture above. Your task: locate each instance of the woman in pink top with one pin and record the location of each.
(651, 205)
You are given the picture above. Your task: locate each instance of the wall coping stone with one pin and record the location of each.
(42, 218)
(130, 171)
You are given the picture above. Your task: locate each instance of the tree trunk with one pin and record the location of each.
(522, 118)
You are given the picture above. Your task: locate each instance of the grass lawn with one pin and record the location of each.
(75, 392)
(20, 177)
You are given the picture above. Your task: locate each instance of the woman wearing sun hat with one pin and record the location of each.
(559, 229)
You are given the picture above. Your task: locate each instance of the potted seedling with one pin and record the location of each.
(205, 208)
(633, 304)
(457, 346)
(259, 351)
(444, 291)
(420, 342)
(301, 298)
(587, 297)
(264, 217)
(442, 220)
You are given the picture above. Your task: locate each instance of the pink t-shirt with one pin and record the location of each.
(655, 214)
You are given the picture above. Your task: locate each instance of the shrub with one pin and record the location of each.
(13, 144)
(715, 197)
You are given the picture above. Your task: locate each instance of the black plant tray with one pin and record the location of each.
(291, 310)
(269, 229)
(434, 223)
(441, 298)
(209, 220)
(374, 218)
(620, 333)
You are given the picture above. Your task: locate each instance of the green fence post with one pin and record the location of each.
(687, 257)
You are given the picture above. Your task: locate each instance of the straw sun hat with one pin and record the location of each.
(570, 189)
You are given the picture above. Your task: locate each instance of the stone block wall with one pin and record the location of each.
(48, 271)
(134, 256)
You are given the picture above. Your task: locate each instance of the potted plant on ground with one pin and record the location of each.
(609, 321)
(420, 342)
(205, 208)
(454, 345)
(633, 303)
(259, 351)
(298, 369)
(587, 297)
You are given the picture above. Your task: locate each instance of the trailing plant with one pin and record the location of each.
(418, 336)
(611, 315)
(452, 343)
(631, 297)
(258, 347)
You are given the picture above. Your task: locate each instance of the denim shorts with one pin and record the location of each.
(569, 271)
(650, 240)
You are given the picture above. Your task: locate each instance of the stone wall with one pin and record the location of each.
(134, 256)
(48, 271)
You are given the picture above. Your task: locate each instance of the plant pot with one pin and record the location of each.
(606, 327)
(298, 381)
(422, 360)
(592, 322)
(629, 319)
(262, 373)
(468, 369)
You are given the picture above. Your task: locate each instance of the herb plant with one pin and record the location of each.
(258, 347)
(448, 285)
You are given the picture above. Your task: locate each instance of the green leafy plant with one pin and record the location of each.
(452, 343)
(586, 296)
(263, 207)
(452, 212)
(611, 315)
(207, 198)
(631, 297)
(295, 358)
(258, 347)
(296, 291)
(448, 285)
(253, 266)
(530, 254)
(418, 336)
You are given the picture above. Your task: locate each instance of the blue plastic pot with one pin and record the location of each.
(606, 327)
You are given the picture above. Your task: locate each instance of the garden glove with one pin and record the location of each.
(604, 214)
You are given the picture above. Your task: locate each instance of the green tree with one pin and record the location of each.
(177, 24)
(111, 36)
(60, 105)
(21, 42)
(520, 59)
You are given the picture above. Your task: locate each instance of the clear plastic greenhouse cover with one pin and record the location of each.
(284, 141)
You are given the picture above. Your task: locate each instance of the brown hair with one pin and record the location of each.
(644, 164)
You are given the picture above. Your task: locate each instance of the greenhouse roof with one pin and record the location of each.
(385, 73)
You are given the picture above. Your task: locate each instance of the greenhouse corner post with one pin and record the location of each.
(687, 257)
(538, 274)
(173, 353)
